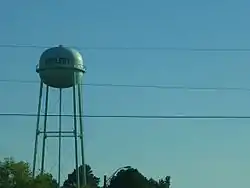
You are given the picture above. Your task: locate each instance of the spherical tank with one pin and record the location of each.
(61, 67)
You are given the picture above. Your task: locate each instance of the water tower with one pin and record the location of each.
(61, 68)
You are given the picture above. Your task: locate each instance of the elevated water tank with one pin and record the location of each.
(61, 67)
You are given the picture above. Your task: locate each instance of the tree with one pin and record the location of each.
(14, 174)
(132, 178)
(92, 180)
(18, 175)
(164, 183)
(43, 181)
(152, 183)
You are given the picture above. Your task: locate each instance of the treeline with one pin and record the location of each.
(18, 175)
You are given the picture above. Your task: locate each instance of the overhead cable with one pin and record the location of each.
(169, 87)
(133, 116)
(190, 49)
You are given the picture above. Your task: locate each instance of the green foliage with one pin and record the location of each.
(132, 178)
(92, 180)
(18, 175)
(14, 174)
(44, 181)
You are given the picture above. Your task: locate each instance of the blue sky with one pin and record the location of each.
(196, 153)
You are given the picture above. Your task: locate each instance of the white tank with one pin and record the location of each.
(61, 67)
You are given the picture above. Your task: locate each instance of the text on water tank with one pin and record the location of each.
(61, 61)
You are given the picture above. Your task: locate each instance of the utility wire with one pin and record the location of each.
(170, 87)
(134, 48)
(131, 116)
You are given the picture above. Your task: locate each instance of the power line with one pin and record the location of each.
(131, 116)
(134, 48)
(171, 87)
(22, 46)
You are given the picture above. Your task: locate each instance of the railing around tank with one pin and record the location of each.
(81, 68)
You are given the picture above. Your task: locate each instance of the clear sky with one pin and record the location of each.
(196, 153)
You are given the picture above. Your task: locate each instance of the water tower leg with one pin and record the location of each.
(45, 128)
(37, 129)
(75, 136)
(80, 96)
(60, 137)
